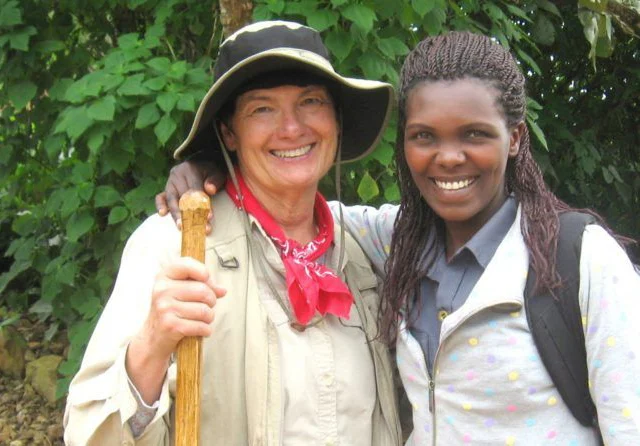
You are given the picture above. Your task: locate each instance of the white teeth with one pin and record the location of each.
(292, 153)
(453, 185)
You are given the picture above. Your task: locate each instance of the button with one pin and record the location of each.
(330, 442)
(442, 314)
(327, 379)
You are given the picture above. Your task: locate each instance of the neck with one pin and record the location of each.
(292, 210)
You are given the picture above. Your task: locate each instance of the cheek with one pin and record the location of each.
(417, 159)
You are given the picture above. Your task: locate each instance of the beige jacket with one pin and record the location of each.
(100, 401)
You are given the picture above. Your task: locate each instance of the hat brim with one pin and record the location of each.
(365, 105)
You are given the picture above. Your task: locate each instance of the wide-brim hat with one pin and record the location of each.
(279, 46)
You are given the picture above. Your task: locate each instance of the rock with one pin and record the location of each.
(54, 432)
(42, 375)
(12, 351)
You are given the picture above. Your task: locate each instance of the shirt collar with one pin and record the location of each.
(484, 243)
(482, 246)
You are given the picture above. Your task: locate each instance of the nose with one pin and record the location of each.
(450, 155)
(291, 123)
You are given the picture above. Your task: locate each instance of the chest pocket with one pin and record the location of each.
(363, 284)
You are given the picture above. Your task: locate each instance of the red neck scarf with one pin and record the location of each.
(311, 286)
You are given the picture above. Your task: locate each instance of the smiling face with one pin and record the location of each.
(285, 138)
(457, 144)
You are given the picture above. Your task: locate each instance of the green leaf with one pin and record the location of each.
(74, 123)
(339, 43)
(165, 128)
(526, 58)
(14, 271)
(105, 196)
(49, 46)
(117, 214)
(615, 174)
(70, 203)
(337, 3)
(543, 32)
(21, 93)
(608, 178)
(155, 84)
(186, 102)
(167, 101)
(81, 172)
(372, 65)
(322, 19)
(518, 12)
(132, 86)
(79, 224)
(434, 21)
(19, 40)
(422, 7)
(10, 14)
(368, 188)
(160, 64)
(59, 88)
(362, 16)
(392, 193)
(539, 134)
(392, 47)
(103, 109)
(178, 70)
(128, 41)
(147, 115)
(549, 7)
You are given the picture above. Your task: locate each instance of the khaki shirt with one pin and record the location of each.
(263, 383)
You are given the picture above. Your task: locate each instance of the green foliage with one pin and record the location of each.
(94, 97)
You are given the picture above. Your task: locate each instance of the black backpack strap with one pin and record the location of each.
(556, 324)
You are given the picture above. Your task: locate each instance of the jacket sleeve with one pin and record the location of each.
(371, 228)
(610, 307)
(100, 400)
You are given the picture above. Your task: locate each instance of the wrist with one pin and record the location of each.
(146, 369)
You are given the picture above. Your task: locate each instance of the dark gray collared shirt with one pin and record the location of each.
(447, 285)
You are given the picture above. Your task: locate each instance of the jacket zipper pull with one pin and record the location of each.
(432, 395)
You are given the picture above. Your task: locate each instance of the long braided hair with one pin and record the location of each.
(459, 55)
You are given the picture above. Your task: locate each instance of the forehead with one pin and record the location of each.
(464, 97)
(281, 91)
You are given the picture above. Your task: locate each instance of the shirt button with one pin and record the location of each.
(327, 379)
(330, 442)
(442, 314)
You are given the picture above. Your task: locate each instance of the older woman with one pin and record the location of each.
(290, 357)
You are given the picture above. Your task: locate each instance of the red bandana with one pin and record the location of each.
(311, 286)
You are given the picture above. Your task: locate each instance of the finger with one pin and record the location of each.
(209, 187)
(186, 268)
(193, 291)
(195, 311)
(192, 176)
(173, 198)
(161, 204)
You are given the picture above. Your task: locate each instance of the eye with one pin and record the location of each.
(477, 134)
(422, 136)
(313, 102)
(260, 110)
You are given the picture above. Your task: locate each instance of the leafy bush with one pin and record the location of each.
(94, 96)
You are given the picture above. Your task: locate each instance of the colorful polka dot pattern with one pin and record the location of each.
(491, 387)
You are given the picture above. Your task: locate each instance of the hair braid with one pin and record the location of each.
(454, 56)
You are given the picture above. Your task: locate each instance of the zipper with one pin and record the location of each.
(432, 396)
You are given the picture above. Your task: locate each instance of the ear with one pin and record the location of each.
(515, 138)
(228, 137)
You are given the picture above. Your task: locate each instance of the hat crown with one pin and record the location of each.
(264, 36)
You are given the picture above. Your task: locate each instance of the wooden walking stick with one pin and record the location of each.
(194, 209)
